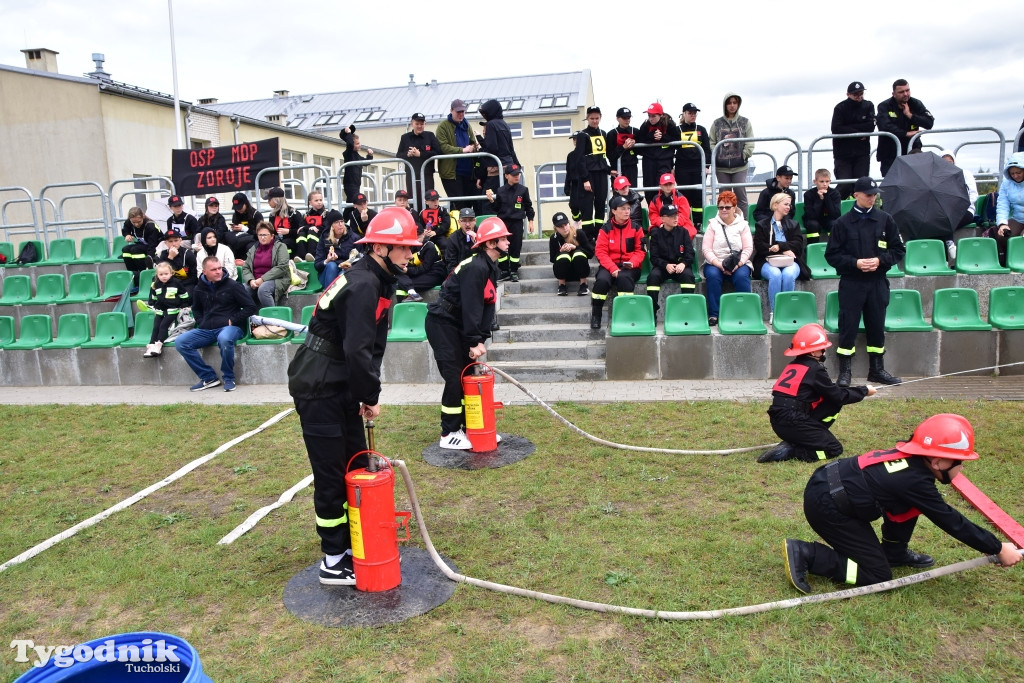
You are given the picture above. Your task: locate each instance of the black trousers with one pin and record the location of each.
(593, 203)
(856, 556)
(850, 167)
(161, 326)
(870, 297)
(653, 168)
(460, 186)
(694, 197)
(572, 266)
(452, 356)
(632, 172)
(418, 282)
(811, 438)
(136, 258)
(659, 275)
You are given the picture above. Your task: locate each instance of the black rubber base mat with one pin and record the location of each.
(511, 450)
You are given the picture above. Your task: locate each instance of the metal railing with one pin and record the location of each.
(116, 207)
(1001, 141)
(13, 228)
(377, 200)
(677, 143)
(848, 136)
(539, 202)
(421, 182)
(715, 187)
(64, 226)
(325, 174)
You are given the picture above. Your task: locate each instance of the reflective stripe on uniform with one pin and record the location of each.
(830, 418)
(821, 455)
(812, 234)
(845, 352)
(320, 521)
(851, 572)
(451, 410)
(655, 288)
(597, 297)
(876, 349)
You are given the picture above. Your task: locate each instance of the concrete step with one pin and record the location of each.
(544, 272)
(515, 302)
(535, 246)
(523, 352)
(546, 333)
(554, 370)
(542, 286)
(545, 316)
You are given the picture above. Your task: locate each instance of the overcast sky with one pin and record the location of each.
(791, 62)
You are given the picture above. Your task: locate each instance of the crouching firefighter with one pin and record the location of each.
(844, 497)
(459, 323)
(805, 402)
(334, 377)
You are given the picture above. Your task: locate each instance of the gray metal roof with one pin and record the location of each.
(398, 104)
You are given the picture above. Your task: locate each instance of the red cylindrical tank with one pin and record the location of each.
(371, 521)
(478, 391)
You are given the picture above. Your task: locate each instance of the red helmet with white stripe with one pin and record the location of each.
(810, 337)
(490, 229)
(394, 226)
(942, 436)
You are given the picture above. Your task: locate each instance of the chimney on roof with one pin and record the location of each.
(433, 82)
(98, 73)
(280, 93)
(41, 59)
(208, 100)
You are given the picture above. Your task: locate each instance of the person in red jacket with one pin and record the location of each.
(620, 253)
(669, 195)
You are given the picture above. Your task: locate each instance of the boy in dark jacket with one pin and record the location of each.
(353, 177)
(671, 250)
(185, 224)
(181, 259)
(822, 205)
(512, 204)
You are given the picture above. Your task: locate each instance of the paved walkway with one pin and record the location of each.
(1009, 388)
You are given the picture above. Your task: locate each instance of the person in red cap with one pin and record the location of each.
(334, 378)
(459, 324)
(667, 194)
(659, 129)
(592, 169)
(622, 187)
(844, 497)
(806, 403)
(731, 158)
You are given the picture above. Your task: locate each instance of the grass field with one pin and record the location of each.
(575, 519)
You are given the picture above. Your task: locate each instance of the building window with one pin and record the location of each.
(516, 105)
(543, 129)
(517, 130)
(550, 181)
(561, 101)
(326, 162)
(295, 123)
(472, 108)
(321, 120)
(363, 115)
(546, 102)
(334, 119)
(293, 191)
(375, 116)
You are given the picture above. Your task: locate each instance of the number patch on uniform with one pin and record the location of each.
(788, 382)
(332, 291)
(893, 466)
(597, 144)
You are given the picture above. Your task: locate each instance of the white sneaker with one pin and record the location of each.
(771, 317)
(456, 441)
(498, 436)
(951, 250)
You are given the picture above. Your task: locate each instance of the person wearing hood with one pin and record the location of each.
(659, 129)
(496, 140)
(209, 245)
(780, 183)
(1010, 204)
(731, 159)
(241, 233)
(455, 137)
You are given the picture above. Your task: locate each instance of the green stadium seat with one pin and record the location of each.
(82, 288)
(407, 322)
(710, 211)
(307, 315)
(750, 213)
(17, 290)
(312, 284)
(978, 256)
(49, 289)
(686, 314)
(905, 312)
(632, 316)
(40, 249)
(819, 267)
(114, 284)
(956, 309)
(6, 330)
(793, 310)
(979, 210)
(115, 250)
(72, 331)
(645, 219)
(481, 219)
(36, 330)
(7, 249)
(145, 282)
(740, 313)
(94, 250)
(845, 205)
(111, 330)
(143, 330)
(926, 257)
(895, 271)
(62, 251)
(645, 270)
(832, 313)
(1006, 308)
(279, 312)
(798, 216)
(1015, 254)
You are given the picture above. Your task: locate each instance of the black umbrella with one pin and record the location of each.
(926, 195)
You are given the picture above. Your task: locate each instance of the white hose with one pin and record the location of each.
(298, 328)
(949, 374)
(255, 517)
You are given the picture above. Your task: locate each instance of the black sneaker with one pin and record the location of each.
(784, 451)
(563, 290)
(514, 276)
(584, 291)
(912, 559)
(341, 574)
(798, 559)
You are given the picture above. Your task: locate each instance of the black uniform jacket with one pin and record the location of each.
(669, 133)
(807, 380)
(864, 234)
(583, 245)
(185, 225)
(458, 249)
(892, 120)
(687, 156)
(513, 203)
(593, 153)
(292, 223)
(146, 234)
(614, 140)
(852, 117)
(820, 212)
(670, 247)
(468, 296)
(426, 142)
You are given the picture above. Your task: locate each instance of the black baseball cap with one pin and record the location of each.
(624, 113)
(617, 201)
(359, 199)
(175, 200)
(275, 192)
(668, 210)
(172, 234)
(690, 106)
(401, 193)
(865, 185)
(418, 117)
(785, 170)
(513, 169)
(856, 86)
(466, 213)
(432, 194)
(593, 110)
(212, 200)
(560, 219)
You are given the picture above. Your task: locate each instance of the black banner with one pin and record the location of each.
(225, 169)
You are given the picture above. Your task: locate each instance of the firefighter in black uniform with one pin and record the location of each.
(844, 497)
(903, 116)
(658, 129)
(805, 402)
(287, 221)
(459, 323)
(334, 377)
(852, 155)
(592, 170)
(688, 161)
(620, 146)
(309, 233)
(511, 203)
(671, 251)
(571, 188)
(864, 245)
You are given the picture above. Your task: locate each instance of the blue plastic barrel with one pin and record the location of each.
(125, 645)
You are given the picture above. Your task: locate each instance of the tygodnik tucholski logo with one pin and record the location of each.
(151, 657)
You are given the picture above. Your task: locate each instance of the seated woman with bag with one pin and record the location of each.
(266, 270)
(726, 248)
(779, 248)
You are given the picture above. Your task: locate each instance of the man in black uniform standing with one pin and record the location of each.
(334, 377)
(852, 155)
(592, 170)
(844, 497)
(864, 245)
(903, 116)
(620, 146)
(688, 164)
(416, 147)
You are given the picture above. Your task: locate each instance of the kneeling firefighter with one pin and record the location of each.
(459, 323)
(805, 402)
(334, 377)
(844, 497)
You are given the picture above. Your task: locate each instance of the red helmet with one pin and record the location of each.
(392, 225)
(490, 229)
(942, 436)
(810, 337)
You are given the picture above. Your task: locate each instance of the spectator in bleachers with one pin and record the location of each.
(208, 244)
(455, 137)
(241, 234)
(726, 247)
(141, 238)
(822, 206)
(1010, 204)
(570, 251)
(460, 242)
(903, 116)
(972, 197)
(852, 156)
(166, 299)
(182, 260)
(592, 170)
(417, 147)
(620, 253)
(221, 307)
(353, 177)
(435, 216)
(213, 218)
(731, 159)
(334, 251)
(671, 250)
(181, 222)
(358, 216)
(496, 140)
(659, 129)
(426, 269)
(313, 226)
(511, 203)
(266, 270)
(780, 183)
(667, 194)
(688, 163)
(779, 248)
(620, 146)
(287, 221)
(621, 187)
